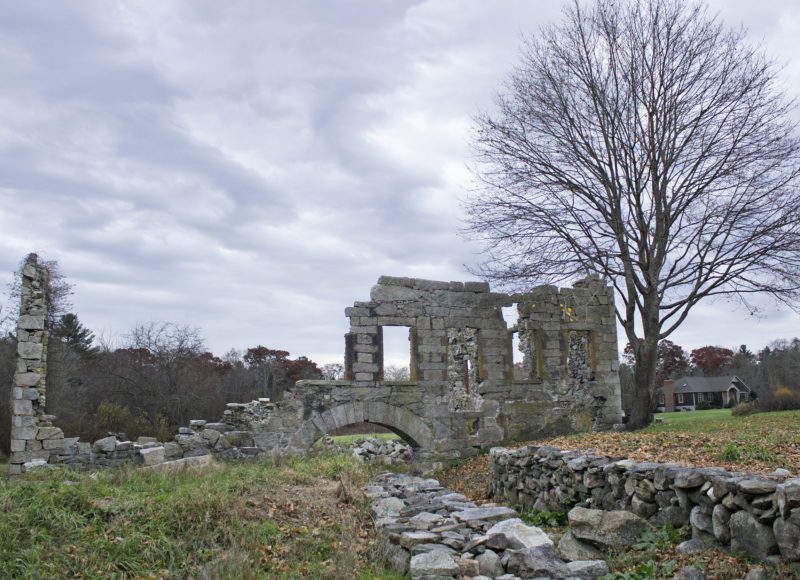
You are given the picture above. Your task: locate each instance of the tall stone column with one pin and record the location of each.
(28, 390)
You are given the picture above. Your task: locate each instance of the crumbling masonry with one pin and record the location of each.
(464, 393)
(33, 437)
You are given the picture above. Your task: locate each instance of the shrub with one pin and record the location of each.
(111, 416)
(745, 409)
(703, 406)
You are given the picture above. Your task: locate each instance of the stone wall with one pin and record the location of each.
(460, 351)
(757, 514)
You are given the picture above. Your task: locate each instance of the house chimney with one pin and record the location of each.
(669, 396)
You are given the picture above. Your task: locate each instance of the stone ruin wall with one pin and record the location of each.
(460, 356)
(462, 394)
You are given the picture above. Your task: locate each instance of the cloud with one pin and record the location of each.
(249, 168)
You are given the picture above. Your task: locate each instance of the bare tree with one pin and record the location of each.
(644, 142)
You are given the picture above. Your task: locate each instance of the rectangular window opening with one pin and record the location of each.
(397, 353)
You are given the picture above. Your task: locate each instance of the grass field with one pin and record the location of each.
(295, 519)
(756, 443)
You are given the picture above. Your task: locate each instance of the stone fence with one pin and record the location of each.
(757, 514)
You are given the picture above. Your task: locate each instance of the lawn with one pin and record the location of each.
(755, 443)
(298, 518)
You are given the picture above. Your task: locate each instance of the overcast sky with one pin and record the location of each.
(251, 168)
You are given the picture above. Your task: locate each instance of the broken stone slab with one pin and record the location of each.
(425, 520)
(105, 445)
(533, 562)
(587, 569)
(571, 549)
(410, 539)
(152, 455)
(197, 462)
(491, 514)
(435, 563)
(606, 529)
(518, 535)
(49, 433)
(388, 507)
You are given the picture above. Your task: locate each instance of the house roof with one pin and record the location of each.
(709, 384)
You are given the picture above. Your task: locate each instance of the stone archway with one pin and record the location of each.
(399, 420)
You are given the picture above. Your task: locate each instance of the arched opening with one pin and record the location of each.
(399, 420)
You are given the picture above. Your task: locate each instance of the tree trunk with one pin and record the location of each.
(644, 375)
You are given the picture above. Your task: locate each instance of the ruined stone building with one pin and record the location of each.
(464, 393)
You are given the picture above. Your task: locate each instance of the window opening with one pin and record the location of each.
(396, 353)
(520, 344)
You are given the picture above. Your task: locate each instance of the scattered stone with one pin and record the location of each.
(434, 563)
(518, 535)
(570, 549)
(587, 569)
(532, 562)
(104, 445)
(693, 546)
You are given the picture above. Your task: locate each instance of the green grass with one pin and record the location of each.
(262, 520)
(348, 439)
(709, 420)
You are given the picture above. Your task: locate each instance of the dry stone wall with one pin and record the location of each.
(756, 514)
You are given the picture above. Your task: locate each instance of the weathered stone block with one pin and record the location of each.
(29, 350)
(748, 535)
(23, 432)
(49, 433)
(31, 394)
(29, 322)
(21, 407)
(26, 379)
(105, 445)
(59, 444)
(152, 456)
